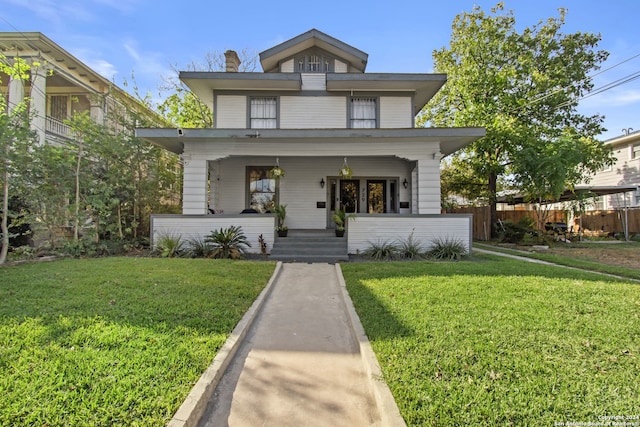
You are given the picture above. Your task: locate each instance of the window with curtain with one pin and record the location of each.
(635, 151)
(262, 188)
(363, 113)
(263, 113)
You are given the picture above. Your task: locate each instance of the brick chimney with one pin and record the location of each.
(233, 62)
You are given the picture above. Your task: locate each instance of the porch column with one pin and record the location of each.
(428, 184)
(96, 112)
(194, 186)
(38, 101)
(16, 93)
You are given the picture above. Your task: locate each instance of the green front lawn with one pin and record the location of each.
(117, 341)
(500, 341)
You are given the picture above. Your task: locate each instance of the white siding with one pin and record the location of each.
(314, 81)
(340, 67)
(194, 196)
(201, 225)
(231, 112)
(367, 229)
(287, 66)
(313, 112)
(428, 186)
(396, 112)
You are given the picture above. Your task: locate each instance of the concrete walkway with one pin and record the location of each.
(300, 359)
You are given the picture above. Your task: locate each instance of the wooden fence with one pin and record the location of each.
(593, 222)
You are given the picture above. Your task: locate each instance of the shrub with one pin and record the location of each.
(509, 232)
(381, 251)
(447, 249)
(228, 242)
(197, 247)
(410, 248)
(263, 245)
(170, 245)
(79, 248)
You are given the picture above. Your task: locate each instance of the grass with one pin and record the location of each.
(501, 342)
(114, 341)
(569, 261)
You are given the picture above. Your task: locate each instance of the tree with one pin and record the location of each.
(16, 138)
(523, 87)
(544, 170)
(182, 108)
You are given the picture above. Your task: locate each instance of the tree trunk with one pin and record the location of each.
(76, 223)
(5, 217)
(493, 189)
(120, 233)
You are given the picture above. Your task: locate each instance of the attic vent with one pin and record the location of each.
(232, 61)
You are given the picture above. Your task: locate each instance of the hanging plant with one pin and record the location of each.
(277, 172)
(345, 170)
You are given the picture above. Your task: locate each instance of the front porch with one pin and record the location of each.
(360, 232)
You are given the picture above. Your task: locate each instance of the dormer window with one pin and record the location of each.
(314, 62)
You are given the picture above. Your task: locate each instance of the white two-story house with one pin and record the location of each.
(314, 112)
(623, 175)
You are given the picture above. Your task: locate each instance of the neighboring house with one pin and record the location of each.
(61, 86)
(312, 112)
(623, 174)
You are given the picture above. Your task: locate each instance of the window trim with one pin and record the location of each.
(275, 192)
(634, 151)
(350, 119)
(250, 118)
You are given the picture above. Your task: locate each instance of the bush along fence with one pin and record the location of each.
(598, 223)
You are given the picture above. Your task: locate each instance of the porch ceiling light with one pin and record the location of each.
(405, 184)
(322, 182)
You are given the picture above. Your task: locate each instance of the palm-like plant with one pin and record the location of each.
(228, 242)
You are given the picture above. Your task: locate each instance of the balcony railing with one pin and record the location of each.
(58, 127)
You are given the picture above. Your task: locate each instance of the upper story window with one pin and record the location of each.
(314, 62)
(635, 151)
(264, 113)
(363, 113)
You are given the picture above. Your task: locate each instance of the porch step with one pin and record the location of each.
(310, 246)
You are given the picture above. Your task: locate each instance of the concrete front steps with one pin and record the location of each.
(310, 246)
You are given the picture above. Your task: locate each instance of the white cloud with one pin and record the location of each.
(60, 13)
(104, 68)
(613, 98)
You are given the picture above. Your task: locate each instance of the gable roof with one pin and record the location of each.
(270, 58)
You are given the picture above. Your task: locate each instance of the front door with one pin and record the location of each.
(349, 191)
(376, 196)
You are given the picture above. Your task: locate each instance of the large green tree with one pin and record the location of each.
(524, 88)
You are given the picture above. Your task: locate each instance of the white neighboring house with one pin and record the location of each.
(312, 111)
(624, 174)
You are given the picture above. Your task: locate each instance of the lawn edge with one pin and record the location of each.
(195, 404)
(385, 402)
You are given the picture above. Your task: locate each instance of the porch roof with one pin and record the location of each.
(449, 139)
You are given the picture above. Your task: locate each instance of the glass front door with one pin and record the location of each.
(349, 190)
(376, 196)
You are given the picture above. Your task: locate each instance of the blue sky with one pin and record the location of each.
(121, 37)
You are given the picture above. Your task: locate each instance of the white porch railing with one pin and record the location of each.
(58, 127)
(367, 229)
(192, 226)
